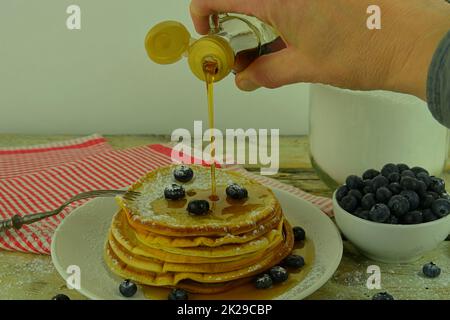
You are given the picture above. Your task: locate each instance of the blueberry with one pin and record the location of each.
(408, 173)
(294, 261)
(183, 174)
(380, 181)
(402, 167)
(235, 191)
(368, 201)
(392, 220)
(437, 185)
(299, 233)
(278, 274)
(444, 196)
(428, 215)
(368, 189)
(434, 195)
(354, 182)
(421, 188)
(341, 192)
(383, 195)
(349, 203)
(198, 207)
(430, 270)
(395, 187)
(412, 197)
(408, 183)
(413, 217)
(60, 296)
(394, 177)
(382, 296)
(363, 214)
(178, 294)
(418, 170)
(398, 205)
(388, 169)
(263, 281)
(128, 288)
(355, 193)
(425, 178)
(174, 192)
(426, 201)
(441, 207)
(370, 174)
(379, 213)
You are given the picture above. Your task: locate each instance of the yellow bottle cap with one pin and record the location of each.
(211, 47)
(167, 41)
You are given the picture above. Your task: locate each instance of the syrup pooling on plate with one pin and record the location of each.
(210, 70)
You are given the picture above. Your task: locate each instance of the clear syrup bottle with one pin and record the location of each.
(233, 42)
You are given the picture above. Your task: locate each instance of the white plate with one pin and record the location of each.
(80, 238)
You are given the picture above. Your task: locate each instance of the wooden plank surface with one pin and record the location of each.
(29, 276)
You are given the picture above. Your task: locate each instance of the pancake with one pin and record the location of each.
(157, 242)
(151, 212)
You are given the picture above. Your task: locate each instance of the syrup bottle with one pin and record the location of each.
(234, 41)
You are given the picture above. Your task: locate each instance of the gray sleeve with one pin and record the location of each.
(438, 84)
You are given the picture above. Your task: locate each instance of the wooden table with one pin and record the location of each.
(29, 276)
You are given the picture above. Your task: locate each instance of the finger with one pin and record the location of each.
(272, 71)
(202, 9)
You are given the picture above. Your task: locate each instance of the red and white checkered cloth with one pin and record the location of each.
(40, 178)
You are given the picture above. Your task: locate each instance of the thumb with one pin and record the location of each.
(271, 71)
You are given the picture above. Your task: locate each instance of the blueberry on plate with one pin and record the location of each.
(183, 174)
(278, 274)
(263, 281)
(428, 215)
(294, 261)
(441, 207)
(421, 188)
(368, 201)
(412, 217)
(418, 170)
(174, 192)
(380, 181)
(408, 183)
(178, 294)
(370, 174)
(395, 187)
(60, 296)
(392, 220)
(198, 207)
(237, 192)
(354, 182)
(382, 296)
(402, 167)
(437, 185)
(379, 213)
(413, 198)
(383, 194)
(368, 187)
(394, 177)
(430, 270)
(349, 203)
(398, 205)
(127, 288)
(388, 169)
(408, 173)
(425, 178)
(355, 193)
(341, 192)
(299, 233)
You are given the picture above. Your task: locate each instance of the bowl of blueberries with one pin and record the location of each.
(394, 215)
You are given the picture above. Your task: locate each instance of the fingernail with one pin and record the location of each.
(247, 85)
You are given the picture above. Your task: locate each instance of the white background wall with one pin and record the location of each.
(99, 79)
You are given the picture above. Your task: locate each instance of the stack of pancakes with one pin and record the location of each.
(157, 242)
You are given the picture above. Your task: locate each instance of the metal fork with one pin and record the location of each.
(17, 221)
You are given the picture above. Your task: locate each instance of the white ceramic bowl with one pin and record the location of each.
(391, 243)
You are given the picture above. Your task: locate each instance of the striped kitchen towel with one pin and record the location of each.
(46, 184)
